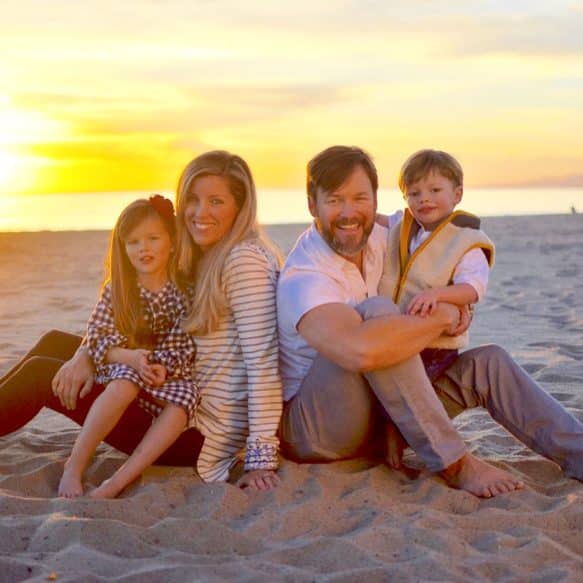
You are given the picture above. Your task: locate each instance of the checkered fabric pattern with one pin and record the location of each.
(174, 349)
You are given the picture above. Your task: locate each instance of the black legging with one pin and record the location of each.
(26, 389)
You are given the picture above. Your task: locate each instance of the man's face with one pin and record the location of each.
(345, 216)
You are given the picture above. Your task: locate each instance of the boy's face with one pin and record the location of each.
(432, 198)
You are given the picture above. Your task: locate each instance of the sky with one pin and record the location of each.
(107, 95)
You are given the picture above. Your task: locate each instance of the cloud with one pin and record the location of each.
(186, 30)
(190, 109)
(547, 35)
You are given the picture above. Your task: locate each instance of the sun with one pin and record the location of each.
(22, 131)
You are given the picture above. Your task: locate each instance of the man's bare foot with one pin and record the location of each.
(70, 485)
(107, 489)
(396, 445)
(479, 478)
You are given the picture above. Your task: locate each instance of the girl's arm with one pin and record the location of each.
(250, 278)
(178, 349)
(102, 334)
(132, 357)
(176, 353)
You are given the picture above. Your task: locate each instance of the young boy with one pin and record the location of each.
(434, 254)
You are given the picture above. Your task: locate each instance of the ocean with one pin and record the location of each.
(99, 210)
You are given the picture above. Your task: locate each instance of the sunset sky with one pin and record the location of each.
(110, 95)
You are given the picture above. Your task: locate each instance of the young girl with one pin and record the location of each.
(139, 349)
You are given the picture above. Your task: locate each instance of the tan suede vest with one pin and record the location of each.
(433, 263)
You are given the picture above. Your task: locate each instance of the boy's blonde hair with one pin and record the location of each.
(421, 163)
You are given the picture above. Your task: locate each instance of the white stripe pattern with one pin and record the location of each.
(237, 372)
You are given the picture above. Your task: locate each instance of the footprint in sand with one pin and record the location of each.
(552, 377)
(533, 367)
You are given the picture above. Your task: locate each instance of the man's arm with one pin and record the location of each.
(337, 332)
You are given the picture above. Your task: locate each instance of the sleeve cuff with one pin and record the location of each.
(261, 455)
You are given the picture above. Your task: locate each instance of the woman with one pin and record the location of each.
(222, 252)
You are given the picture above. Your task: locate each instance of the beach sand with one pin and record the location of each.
(347, 521)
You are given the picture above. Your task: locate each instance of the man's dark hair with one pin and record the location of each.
(330, 168)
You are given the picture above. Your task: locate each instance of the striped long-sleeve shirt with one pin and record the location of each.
(237, 371)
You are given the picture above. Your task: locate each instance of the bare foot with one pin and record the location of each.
(107, 489)
(70, 485)
(479, 478)
(396, 445)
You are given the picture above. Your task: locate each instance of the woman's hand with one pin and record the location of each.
(259, 480)
(74, 379)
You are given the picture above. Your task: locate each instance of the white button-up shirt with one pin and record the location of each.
(314, 275)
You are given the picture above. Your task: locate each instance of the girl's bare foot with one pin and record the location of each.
(396, 445)
(479, 478)
(107, 489)
(70, 485)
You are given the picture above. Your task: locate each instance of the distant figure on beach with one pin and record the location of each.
(349, 358)
(138, 347)
(573, 210)
(228, 269)
(433, 255)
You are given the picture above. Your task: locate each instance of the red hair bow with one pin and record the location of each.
(163, 206)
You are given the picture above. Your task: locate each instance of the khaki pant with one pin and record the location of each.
(336, 413)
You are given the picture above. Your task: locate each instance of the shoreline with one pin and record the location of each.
(298, 224)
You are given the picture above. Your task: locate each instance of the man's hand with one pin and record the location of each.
(259, 480)
(74, 379)
(449, 316)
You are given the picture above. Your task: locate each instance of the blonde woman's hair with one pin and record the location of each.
(209, 302)
(121, 274)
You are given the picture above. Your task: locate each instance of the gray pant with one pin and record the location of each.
(334, 414)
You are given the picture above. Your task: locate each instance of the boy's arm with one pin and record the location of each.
(425, 303)
(459, 294)
(470, 280)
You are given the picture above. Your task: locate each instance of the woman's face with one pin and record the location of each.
(210, 210)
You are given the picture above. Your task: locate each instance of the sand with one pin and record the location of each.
(348, 521)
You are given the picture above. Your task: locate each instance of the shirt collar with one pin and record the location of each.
(150, 295)
(371, 254)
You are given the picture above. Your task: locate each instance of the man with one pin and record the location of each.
(349, 359)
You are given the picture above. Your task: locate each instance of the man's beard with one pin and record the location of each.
(339, 246)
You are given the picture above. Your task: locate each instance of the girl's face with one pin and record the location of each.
(148, 247)
(210, 210)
